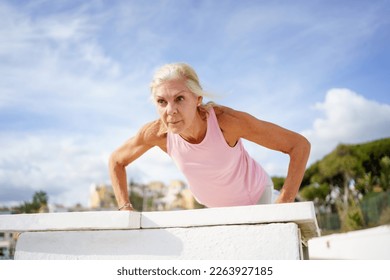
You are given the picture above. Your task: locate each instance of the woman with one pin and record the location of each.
(204, 140)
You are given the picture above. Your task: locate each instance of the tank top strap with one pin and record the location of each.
(214, 131)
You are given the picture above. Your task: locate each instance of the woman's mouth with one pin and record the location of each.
(173, 123)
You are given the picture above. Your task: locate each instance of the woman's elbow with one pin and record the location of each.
(300, 147)
(305, 146)
(114, 162)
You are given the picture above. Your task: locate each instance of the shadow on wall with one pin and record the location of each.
(103, 243)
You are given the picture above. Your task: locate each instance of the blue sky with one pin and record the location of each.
(75, 80)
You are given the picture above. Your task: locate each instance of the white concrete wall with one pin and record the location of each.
(249, 232)
(273, 241)
(368, 244)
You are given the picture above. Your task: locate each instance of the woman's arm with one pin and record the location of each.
(269, 135)
(146, 138)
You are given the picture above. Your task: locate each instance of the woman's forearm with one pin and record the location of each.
(297, 166)
(119, 181)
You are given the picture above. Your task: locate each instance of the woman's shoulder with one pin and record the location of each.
(226, 115)
(233, 121)
(153, 133)
(229, 121)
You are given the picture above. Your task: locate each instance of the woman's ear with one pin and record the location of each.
(200, 99)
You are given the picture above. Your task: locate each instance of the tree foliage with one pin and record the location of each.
(339, 182)
(38, 204)
(352, 162)
(278, 182)
(316, 192)
(384, 177)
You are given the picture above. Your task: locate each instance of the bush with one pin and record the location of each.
(385, 217)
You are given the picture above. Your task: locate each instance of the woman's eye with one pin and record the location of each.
(161, 101)
(180, 98)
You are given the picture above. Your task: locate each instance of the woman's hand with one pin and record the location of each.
(126, 207)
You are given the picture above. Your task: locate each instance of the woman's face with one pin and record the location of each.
(176, 105)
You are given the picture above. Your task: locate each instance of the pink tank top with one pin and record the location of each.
(218, 175)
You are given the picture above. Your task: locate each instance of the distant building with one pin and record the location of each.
(7, 243)
(176, 196)
(156, 186)
(102, 197)
(154, 196)
(56, 208)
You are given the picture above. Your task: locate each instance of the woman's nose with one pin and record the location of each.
(171, 109)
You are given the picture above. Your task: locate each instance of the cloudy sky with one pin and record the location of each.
(74, 80)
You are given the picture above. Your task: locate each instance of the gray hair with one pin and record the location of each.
(173, 71)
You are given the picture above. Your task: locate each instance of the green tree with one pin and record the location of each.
(137, 201)
(340, 168)
(385, 173)
(385, 217)
(366, 183)
(40, 199)
(278, 182)
(351, 217)
(38, 204)
(315, 192)
(353, 173)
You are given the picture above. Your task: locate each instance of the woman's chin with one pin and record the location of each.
(175, 128)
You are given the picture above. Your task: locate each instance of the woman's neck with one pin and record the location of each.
(197, 132)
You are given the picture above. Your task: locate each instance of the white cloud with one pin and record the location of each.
(57, 164)
(348, 118)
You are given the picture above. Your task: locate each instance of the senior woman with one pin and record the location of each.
(204, 140)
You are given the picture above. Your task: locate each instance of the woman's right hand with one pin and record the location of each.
(126, 207)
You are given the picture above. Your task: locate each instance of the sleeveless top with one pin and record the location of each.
(218, 175)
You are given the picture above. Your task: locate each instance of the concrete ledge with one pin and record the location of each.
(276, 231)
(270, 241)
(96, 220)
(367, 244)
(301, 213)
